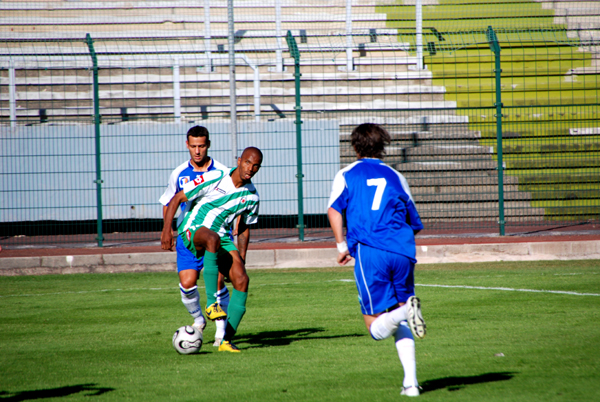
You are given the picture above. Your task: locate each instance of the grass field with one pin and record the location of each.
(107, 337)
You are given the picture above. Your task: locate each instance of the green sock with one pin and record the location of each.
(236, 309)
(211, 277)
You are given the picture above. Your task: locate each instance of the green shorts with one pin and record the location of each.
(188, 235)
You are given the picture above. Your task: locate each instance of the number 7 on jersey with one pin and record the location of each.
(380, 183)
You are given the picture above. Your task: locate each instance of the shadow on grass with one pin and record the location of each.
(286, 337)
(456, 383)
(53, 392)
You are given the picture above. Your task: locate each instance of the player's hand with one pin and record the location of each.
(344, 258)
(166, 240)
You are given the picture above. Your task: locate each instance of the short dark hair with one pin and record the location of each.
(369, 140)
(197, 131)
(253, 149)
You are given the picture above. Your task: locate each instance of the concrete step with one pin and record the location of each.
(191, 75)
(218, 93)
(587, 160)
(399, 66)
(566, 195)
(443, 179)
(561, 148)
(548, 179)
(473, 194)
(450, 211)
(411, 134)
(112, 107)
(431, 152)
(453, 166)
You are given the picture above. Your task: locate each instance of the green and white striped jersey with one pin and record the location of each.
(216, 203)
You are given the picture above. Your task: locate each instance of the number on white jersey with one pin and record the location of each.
(380, 183)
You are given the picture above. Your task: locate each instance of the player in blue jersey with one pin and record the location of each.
(382, 221)
(188, 266)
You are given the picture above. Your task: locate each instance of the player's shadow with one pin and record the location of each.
(286, 337)
(457, 383)
(91, 389)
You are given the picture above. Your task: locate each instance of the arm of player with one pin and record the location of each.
(337, 225)
(243, 238)
(166, 238)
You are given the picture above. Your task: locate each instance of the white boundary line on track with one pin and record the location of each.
(560, 292)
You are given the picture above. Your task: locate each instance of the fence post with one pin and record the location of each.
(278, 51)
(349, 43)
(495, 47)
(98, 180)
(176, 91)
(295, 53)
(232, 93)
(419, 36)
(207, 36)
(12, 93)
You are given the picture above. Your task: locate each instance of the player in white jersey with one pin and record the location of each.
(218, 198)
(381, 223)
(188, 265)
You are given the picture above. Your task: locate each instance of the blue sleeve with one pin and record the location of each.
(412, 217)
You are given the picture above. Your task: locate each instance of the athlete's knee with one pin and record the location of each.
(188, 278)
(187, 283)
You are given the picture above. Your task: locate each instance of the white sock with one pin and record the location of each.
(223, 298)
(386, 324)
(405, 344)
(398, 315)
(221, 325)
(191, 300)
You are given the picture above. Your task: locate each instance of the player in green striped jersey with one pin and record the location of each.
(218, 198)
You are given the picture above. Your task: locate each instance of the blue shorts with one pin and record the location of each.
(186, 259)
(383, 279)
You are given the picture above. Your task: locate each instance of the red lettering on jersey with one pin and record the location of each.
(243, 200)
(199, 180)
(188, 234)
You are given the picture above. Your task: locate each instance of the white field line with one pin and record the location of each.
(87, 291)
(301, 283)
(560, 292)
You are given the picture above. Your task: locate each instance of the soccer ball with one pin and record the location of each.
(187, 340)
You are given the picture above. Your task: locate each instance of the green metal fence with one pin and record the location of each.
(494, 119)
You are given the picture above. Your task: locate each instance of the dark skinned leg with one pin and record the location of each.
(207, 240)
(237, 304)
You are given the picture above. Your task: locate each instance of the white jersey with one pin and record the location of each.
(183, 174)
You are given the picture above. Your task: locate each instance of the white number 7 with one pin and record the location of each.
(380, 183)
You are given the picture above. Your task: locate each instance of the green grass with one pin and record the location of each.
(303, 339)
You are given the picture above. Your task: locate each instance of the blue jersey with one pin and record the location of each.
(380, 211)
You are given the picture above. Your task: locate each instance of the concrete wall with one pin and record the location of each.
(300, 258)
